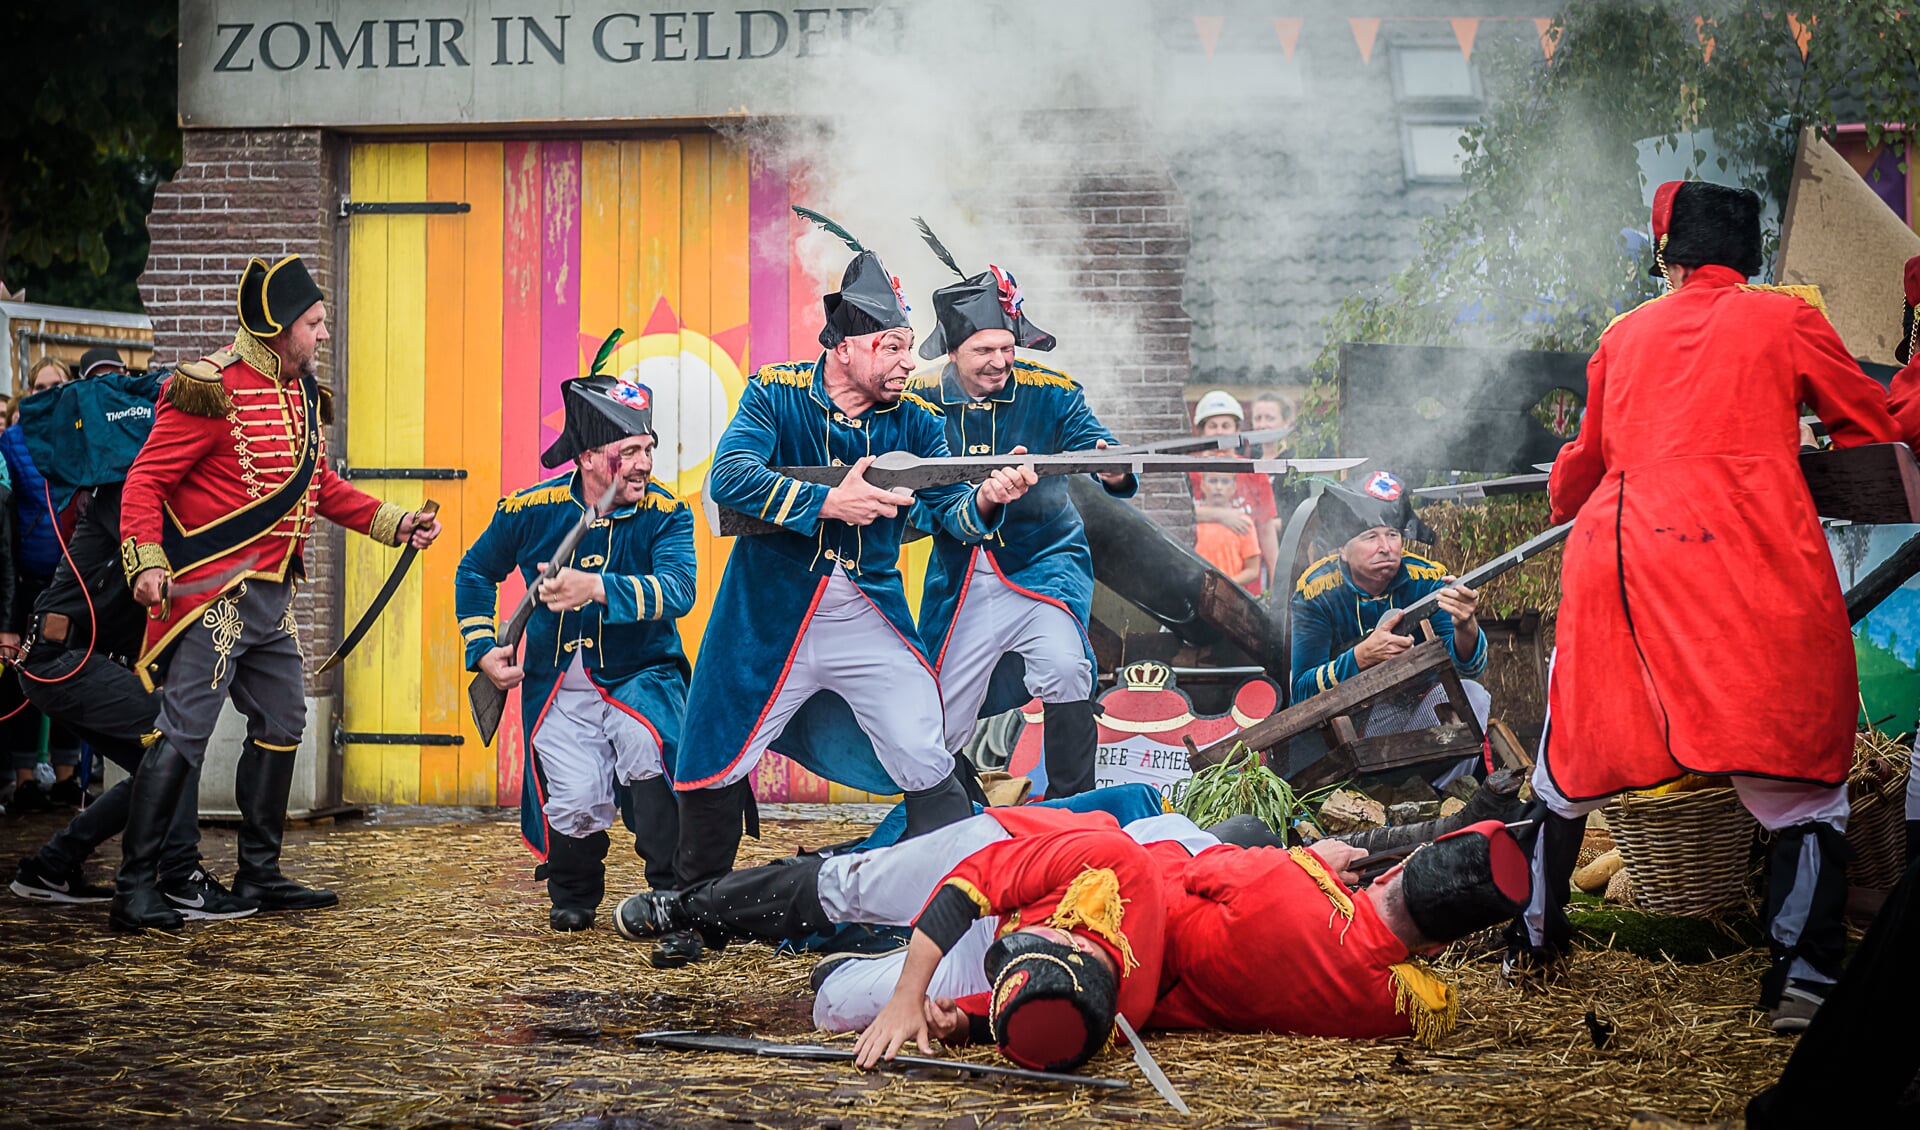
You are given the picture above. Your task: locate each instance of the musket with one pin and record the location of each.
(487, 700)
(1489, 488)
(689, 1040)
(1372, 866)
(1240, 442)
(901, 470)
(1427, 605)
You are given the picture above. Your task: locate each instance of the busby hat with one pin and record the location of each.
(601, 409)
(273, 297)
(1347, 510)
(990, 300)
(1466, 881)
(1052, 1005)
(1696, 223)
(869, 300)
(1903, 352)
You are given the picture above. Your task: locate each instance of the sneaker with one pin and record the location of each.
(35, 882)
(649, 914)
(834, 962)
(200, 896)
(1796, 1008)
(66, 793)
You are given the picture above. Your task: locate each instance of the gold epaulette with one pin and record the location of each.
(196, 387)
(536, 495)
(1028, 373)
(1430, 1005)
(326, 405)
(1093, 904)
(1423, 568)
(910, 398)
(1805, 292)
(1336, 894)
(796, 373)
(1311, 586)
(661, 502)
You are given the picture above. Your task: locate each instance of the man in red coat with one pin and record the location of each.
(1905, 403)
(220, 502)
(1701, 626)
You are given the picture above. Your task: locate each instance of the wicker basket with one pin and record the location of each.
(1877, 832)
(1687, 852)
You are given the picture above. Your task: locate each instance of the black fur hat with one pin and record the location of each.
(1052, 1006)
(1696, 223)
(1466, 881)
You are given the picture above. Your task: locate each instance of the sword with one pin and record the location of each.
(220, 580)
(690, 1040)
(901, 470)
(367, 618)
(1143, 1059)
(1241, 442)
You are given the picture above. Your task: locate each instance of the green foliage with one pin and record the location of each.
(89, 130)
(1659, 937)
(1241, 784)
(1468, 536)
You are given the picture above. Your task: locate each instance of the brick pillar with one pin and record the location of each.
(1105, 211)
(241, 194)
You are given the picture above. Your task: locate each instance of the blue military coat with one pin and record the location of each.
(1330, 614)
(629, 646)
(1041, 545)
(767, 594)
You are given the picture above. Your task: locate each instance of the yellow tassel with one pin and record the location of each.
(1430, 1005)
(910, 398)
(194, 392)
(1329, 886)
(1028, 373)
(1093, 903)
(795, 373)
(534, 496)
(1805, 292)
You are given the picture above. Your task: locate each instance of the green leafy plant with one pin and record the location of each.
(1243, 784)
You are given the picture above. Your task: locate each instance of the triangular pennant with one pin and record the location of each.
(1802, 32)
(1549, 36)
(1288, 29)
(1464, 31)
(663, 320)
(1209, 29)
(1365, 31)
(1706, 41)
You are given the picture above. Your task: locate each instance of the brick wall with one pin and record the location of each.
(1106, 222)
(240, 194)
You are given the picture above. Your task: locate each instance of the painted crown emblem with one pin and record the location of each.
(1146, 676)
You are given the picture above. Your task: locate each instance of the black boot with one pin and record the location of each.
(943, 804)
(1069, 740)
(1247, 831)
(711, 822)
(157, 790)
(1553, 847)
(1821, 938)
(260, 785)
(776, 903)
(656, 829)
(576, 873)
(1913, 841)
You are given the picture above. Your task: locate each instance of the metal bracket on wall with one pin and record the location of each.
(365, 737)
(391, 473)
(350, 207)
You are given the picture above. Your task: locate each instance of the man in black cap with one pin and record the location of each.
(811, 649)
(99, 361)
(604, 681)
(220, 503)
(1006, 618)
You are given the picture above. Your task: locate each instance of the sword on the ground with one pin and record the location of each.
(689, 1040)
(487, 700)
(1143, 1059)
(365, 624)
(900, 470)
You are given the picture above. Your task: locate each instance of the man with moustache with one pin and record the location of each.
(224, 494)
(811, 649)
(604, 681)
(1005, 618)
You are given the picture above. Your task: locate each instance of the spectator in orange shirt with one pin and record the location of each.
(1235, 552)
(1250, 506)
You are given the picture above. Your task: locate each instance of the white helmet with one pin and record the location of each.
(1219, 402)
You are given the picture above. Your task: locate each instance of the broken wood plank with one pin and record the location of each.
(1883, 580)
(1345, 698)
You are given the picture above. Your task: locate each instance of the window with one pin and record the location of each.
(1439, 95)
(1434, 73)
(1433, 150)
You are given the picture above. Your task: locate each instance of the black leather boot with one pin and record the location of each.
(1069, 740)
(711, 823)
(943, 804)
(1821, 939)
(1553, 849)
(656, 829)
(260, 784)
(576, 878)
(157, 790)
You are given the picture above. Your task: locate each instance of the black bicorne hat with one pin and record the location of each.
(1052, 1005)
(273, 298)
(869, 300)
(1696, 223)
(601, 409)
(990, 300)
(1347, 510)
(1466, 881)
(1903, 352)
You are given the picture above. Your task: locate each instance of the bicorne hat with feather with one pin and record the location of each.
(869, 300)
(601, 409)
(990, 300)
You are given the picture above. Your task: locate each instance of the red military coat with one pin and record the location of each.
(1267, 940)
(1701, 624)
(227, 432)
(1904, 402)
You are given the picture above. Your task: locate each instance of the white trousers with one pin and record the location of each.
(889, 886)
(849, 648)
(996, 620)
(585, 743)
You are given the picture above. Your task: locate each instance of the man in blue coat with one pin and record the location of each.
(603, 683)
(810, 649)
(1005, 619)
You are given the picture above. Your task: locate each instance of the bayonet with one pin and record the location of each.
(690, 1040)
(1490, 488)
(1143, 1059)
(1427, 605)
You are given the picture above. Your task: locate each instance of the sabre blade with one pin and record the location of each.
(1143, 1059)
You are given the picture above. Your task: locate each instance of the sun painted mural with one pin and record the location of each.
(459, 328)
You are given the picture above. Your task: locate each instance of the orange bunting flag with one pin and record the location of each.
(1365, 31)
(1209, 29)
(1288, 29)
(1549, 36)
(1464, 30)
(1706, 41)
(1803, 32)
